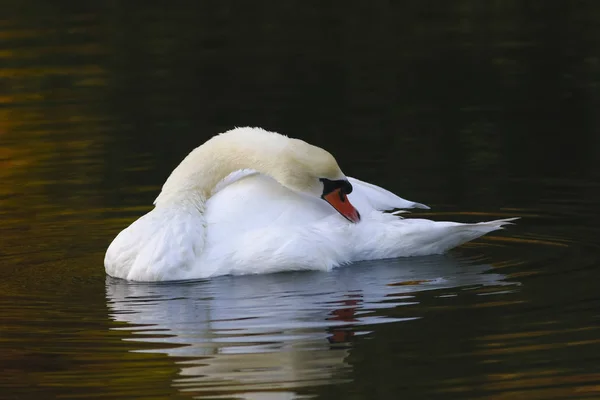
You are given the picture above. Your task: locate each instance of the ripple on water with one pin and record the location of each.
(487, 306)
(283, 331)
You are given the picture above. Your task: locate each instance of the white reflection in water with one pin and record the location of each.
(248, 334)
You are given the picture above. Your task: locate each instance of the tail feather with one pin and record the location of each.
(389, 237)
(463, 233)
(496, 224)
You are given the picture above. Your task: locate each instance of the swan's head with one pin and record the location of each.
(314, 171)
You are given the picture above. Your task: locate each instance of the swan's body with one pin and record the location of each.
(252, 201)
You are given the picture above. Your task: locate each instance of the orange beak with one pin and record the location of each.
(340, 202)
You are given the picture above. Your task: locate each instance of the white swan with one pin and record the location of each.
(253, 201)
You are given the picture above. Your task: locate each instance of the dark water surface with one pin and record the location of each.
(479, 109)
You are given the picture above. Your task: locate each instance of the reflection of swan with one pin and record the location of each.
(252, 201)
(278, 331)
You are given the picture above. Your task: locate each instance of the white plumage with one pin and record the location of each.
(249, 201)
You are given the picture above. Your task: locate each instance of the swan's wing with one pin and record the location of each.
(256, 225)
(247, 200)
(366, 194)
(253, 201)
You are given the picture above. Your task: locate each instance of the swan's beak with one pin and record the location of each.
(340, 202)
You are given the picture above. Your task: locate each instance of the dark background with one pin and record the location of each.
(478, 108)
(458, 97)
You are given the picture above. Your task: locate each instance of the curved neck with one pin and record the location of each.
(194, 179)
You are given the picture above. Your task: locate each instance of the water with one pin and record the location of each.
(479, 109)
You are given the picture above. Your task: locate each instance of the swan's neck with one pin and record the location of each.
(194, 179)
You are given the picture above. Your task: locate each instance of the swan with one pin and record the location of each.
(251, 201)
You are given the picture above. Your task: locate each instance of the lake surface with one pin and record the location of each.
(481, 110)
